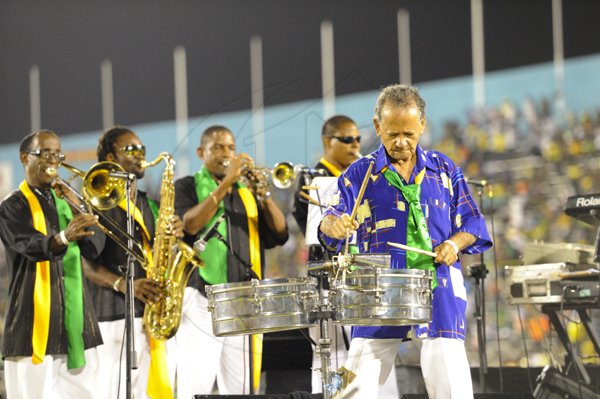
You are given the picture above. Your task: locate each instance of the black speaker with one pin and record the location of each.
(554, 385)
(479, 396)
(240, 396)
(292, 395)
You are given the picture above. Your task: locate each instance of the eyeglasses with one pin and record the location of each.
(132, 150)
(47, 154)
(347, 139)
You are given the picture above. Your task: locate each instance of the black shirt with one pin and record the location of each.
(109, 304)
(238, 259)
(24, 246)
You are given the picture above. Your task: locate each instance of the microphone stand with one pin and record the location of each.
(199, 246)
(131, 357)
(478, 273)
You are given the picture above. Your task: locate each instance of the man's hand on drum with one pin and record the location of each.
(338, 227)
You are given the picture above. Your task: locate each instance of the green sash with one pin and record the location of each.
(215, 254)
(417, 234)
(73, 290)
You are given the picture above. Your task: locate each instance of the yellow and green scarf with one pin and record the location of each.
(215, 254)
(159, 386)
(42, 290)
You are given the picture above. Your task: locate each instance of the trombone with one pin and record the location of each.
(101, 191)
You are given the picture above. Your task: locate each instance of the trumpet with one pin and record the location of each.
(283, 174)
(102, 190)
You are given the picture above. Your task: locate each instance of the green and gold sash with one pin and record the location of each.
(42, 291)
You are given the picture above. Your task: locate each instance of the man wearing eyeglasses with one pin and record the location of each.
(50, 330)
(121, 145)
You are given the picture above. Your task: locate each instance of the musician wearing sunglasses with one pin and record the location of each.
(51, 331)
(341, 147)
(122, 146)
(233, 251)
(419, 198)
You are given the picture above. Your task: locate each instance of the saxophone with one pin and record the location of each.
(174, 262)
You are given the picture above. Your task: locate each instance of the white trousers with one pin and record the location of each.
(444, 365)
(50, 379)
(339, 356)
(111, 376)
(203, 359)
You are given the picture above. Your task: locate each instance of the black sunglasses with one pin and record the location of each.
(347, 139)
(47, 154)
(134, 149)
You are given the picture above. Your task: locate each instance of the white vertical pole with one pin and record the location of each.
(327, 69)
(559, 56)
(108, 106)
(477, 41)
(256, 84)
(181, 109)
(404, 59)
(35, 102)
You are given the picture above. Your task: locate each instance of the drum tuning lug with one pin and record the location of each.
(256, 303)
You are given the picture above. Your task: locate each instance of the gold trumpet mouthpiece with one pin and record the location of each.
(51, 171)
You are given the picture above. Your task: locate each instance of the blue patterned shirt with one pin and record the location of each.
(448, 207)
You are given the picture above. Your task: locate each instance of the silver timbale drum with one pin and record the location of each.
(261, 306)
(367, 293)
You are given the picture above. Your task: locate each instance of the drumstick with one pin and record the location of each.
(309, 198)
(310, 187)
(361, 192)
(413, 249)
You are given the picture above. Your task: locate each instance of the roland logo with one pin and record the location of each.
(591, 201)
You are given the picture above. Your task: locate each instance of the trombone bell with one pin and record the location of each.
(100, 188)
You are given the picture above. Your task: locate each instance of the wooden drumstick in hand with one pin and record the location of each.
(310, 199)
(413, 249)
(359, 197)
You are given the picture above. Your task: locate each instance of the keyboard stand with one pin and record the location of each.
(552, 309)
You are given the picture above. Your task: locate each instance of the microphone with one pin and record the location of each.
(312, 171)
(122, 175)
(480, 183)
(200, 243)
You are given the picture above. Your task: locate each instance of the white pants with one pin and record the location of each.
(112, 373)
(203, 359)
(444, 365)
(51, 379)
(339, 356)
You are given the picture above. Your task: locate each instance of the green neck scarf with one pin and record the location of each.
(73, 291)
(417, 234)
(215, 254)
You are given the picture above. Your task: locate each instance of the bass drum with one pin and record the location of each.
(369, 294)
(262, 306)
